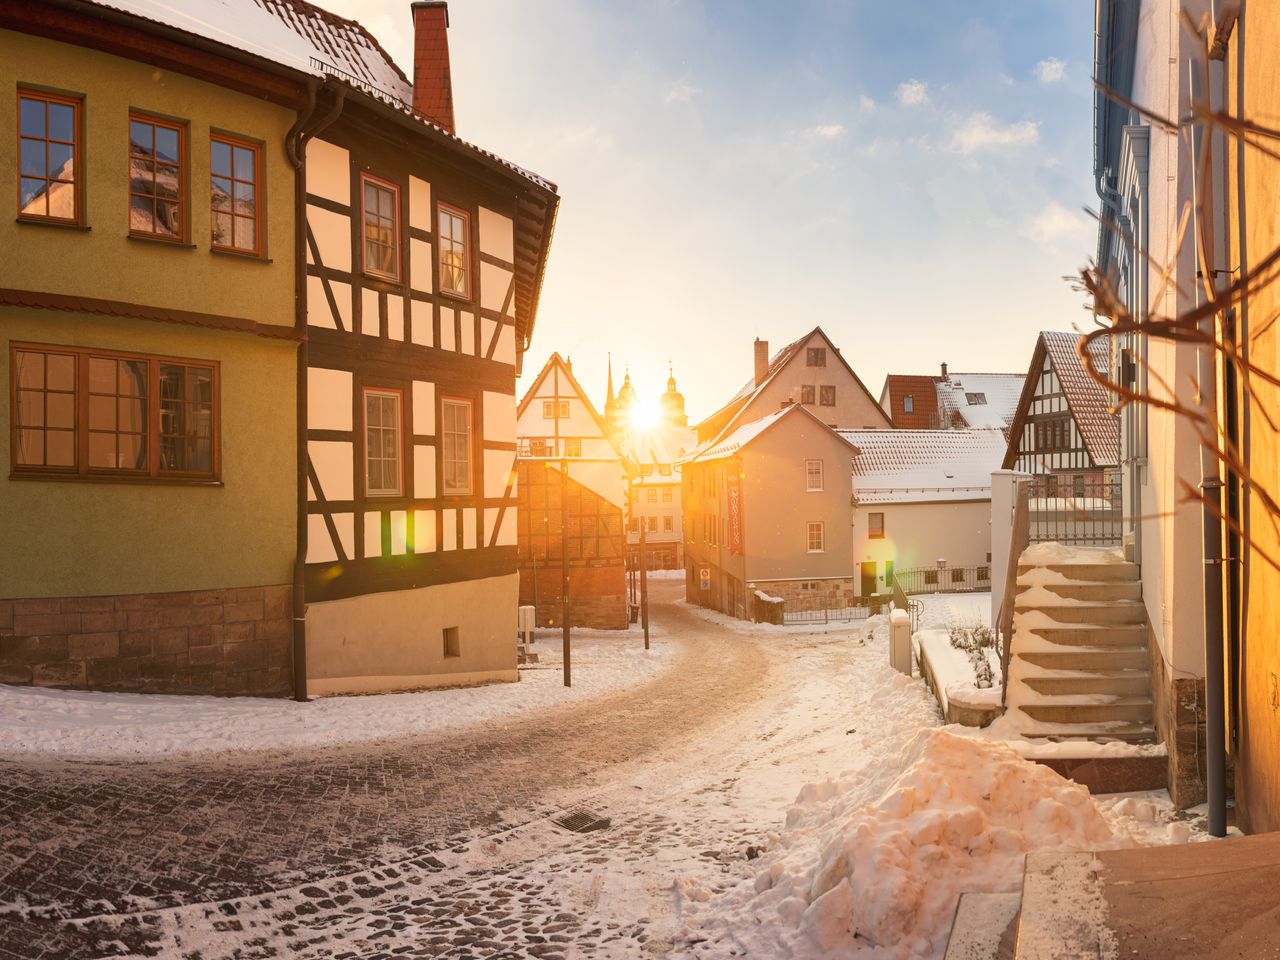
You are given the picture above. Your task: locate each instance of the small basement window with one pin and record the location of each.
(452, 645)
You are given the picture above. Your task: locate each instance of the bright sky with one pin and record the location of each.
(908, 175)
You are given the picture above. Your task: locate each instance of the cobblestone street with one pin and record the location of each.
(418, 847)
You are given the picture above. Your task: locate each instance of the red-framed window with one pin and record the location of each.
(157, 178)
(380, 227)
(456, 445)
(383, 441)
(49, 157)
(101, 414)
(453, 243)
(235, 194)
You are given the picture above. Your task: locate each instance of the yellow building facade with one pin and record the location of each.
(148, 482)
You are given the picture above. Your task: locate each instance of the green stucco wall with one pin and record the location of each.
(78, 538)
(102, 261)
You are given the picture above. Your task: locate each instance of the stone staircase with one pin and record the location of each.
(1079, 666)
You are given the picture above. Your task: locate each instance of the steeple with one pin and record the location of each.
(609, 398)
(672, 402)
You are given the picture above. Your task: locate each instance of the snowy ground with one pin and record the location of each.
(825, 815)
(74, 723)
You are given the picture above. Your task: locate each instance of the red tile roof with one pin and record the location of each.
(924, 401)
(1089, 403)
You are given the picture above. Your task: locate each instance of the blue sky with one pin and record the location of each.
(909, 175)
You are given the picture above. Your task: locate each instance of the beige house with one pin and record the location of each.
(922, 508)
(767, 509)
(810, 372)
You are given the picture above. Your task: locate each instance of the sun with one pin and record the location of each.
(645, 413)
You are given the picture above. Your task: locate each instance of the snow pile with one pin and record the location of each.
(879, 862)
(76, 723)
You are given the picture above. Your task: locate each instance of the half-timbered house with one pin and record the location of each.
(572, 497)
(424, 259)
(1064, 428)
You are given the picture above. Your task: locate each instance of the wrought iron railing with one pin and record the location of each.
(1080, 509)
(943, 579)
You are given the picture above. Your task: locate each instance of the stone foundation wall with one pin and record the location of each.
(235, 641)
(597, 596)
(1178, 707)
(830, 594)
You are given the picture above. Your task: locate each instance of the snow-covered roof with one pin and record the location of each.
(726, 445)
(306, 38)
(240, 24)
(979, 400)
(1089, 403)
(924, 466)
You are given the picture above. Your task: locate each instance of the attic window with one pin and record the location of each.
(816, 357)
(908, 404)
(975, 399)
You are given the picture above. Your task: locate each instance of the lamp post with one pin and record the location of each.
(644, 584)
(564, 573)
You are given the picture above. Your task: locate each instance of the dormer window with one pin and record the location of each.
(975, 399)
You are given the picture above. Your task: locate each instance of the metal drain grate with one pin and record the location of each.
(581, 821)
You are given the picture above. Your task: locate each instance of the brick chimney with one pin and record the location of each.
(944, 371)
(762, 360)
(432, 82)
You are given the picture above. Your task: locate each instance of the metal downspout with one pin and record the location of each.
(1210, 481)
(296, 147)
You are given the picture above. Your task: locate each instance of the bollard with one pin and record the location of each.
(900, 641)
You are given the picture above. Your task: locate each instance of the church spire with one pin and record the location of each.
(609, 398)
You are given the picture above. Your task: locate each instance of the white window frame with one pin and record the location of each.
(397, 397)
(447, 243)
(819, 527)
(449, 486)
(808, 476)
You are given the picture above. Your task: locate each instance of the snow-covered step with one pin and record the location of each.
(1092, 572)
(1087, 709)
(1130, 732)
(1089, 659)
(1110, 635)
(1114, 611)
(1063, 913)
(985, 927)
(1119, 683)
(1093, 592)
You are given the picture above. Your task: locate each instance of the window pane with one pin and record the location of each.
(102, 413)
(244, 234)
(244, 168)
(33, 158)
(31, 408)
(221, 194)
(141, 137)
(167, 222)
(167, 144)
(142, 214)
(222, 229)
(220, 158)
(62, 122)
(245, 195)
(60, 448)
(31, 113)
(32, 196)
(102, 450)
(62, 164)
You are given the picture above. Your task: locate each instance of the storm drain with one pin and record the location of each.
(581, 821)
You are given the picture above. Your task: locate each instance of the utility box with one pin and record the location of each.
(526, 621)
(900, 641)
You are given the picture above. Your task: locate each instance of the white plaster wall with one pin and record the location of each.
(328, 399)
(496, 235)
(329, 171)
(420, 205)
(919, 534)
(332, 233)
(394, 641)
(1171, 568)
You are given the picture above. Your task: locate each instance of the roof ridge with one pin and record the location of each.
(337, 18)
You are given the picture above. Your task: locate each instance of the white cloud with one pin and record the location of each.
(1056, 226)
(981, 131)
(827, 131)
(912, 93)
(681, 92)
(1051, 70)
(866, 103)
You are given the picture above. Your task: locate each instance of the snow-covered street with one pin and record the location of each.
(732, 779)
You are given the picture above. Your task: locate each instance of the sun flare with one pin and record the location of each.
(645, 413)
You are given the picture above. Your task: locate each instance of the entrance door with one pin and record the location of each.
(868, 579)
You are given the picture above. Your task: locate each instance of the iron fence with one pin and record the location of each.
(943, 579)
(1080, 509)
(831, 615)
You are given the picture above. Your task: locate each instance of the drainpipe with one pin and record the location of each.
(295, 145)
(1210, 481)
